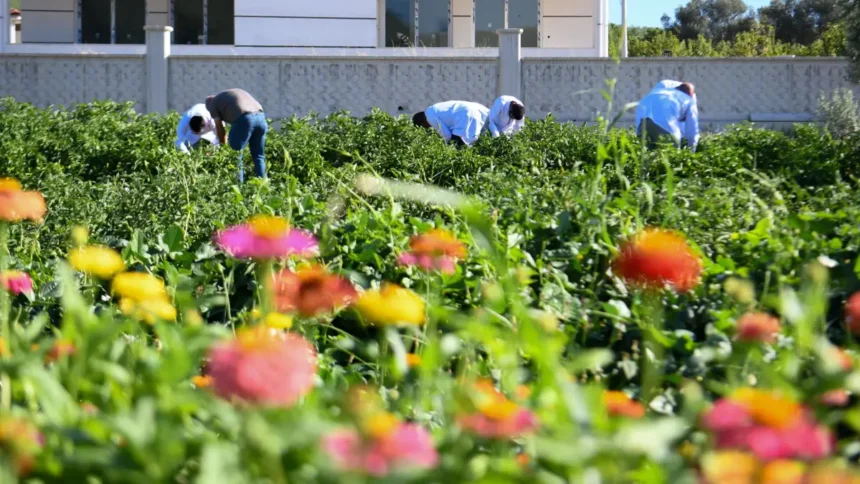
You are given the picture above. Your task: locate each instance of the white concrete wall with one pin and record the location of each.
(306, 23)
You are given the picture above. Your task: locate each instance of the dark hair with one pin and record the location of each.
(687, 89)
(517, 111)
(196, 123)
(420, 119)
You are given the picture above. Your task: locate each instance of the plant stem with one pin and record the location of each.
(264, 285)
(5, 329)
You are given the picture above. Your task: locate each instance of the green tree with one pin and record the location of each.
(715, 19)
(800, 21)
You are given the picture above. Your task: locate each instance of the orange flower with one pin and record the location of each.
(523, 392)
(17, 205)
(21, 441)
(523, 459)
(729, 467)
(437, 242)
(496, 416)
(311, 291)
(852, 313)
(413, 360)
(655, 257)
(60, 349)
(618, 404)
(758, 327)
(768, 408)
(783, 472)
(202, 381)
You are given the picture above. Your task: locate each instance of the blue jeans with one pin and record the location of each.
(250, 129)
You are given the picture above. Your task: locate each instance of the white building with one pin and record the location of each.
(565, 27)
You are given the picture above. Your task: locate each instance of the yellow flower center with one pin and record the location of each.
(382, 425)
(268, 226)
(278, 321)
(492, 403)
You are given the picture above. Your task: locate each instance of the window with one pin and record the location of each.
(399, 23)
(129, 19)
(203, 22)
(95, 17)
(523, 14)
(489, 17)
(433, 20)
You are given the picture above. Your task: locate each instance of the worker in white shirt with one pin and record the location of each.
(196, 124)
(459, 121)
(662, 111)
(507, 116)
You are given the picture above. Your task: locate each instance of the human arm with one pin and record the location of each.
(495, 114)
(182, 135)
(440, 127)
(691, 125)
(222, 133)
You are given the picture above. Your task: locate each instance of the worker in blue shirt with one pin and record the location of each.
(661, 113)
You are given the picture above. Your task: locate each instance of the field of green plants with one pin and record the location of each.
(557, 307)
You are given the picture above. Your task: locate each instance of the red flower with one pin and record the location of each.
(16, 282)
(618, 404)
(758, 327)
(656, 257)
(835, 398)
(60, 349)
(852, 313)
(311, 291)
(263, 366)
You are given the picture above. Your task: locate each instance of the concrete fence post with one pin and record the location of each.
(157, 59)
(510, 63)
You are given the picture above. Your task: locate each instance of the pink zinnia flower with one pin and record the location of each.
(523, 422)
(726, 415)
(16, 282)
(407, 446)
(835, 398)
(266, 237)
(437, 249)
(263, 366)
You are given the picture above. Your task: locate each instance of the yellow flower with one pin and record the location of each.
(139, 286)
(278, 321)
(768, 408)
(96, 260)
(492, 403)
(149, 310)
(268, 226)
(381, 425)
(783, 472)
(391, 305)
(729, 467)
(80, 235)
(10, 185)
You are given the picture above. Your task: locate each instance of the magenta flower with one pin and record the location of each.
(726, 415)
(16, 282)
(408, 446)
(522, 422)
(263, 366)
(266, 237)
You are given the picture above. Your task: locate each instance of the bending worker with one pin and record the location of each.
(196, 124)
(459, 121)
(507, 116)
(248, 126)
(661, 112)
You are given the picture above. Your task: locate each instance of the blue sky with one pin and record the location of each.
(647, 13)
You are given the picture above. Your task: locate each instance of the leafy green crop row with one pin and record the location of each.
(554, 202)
